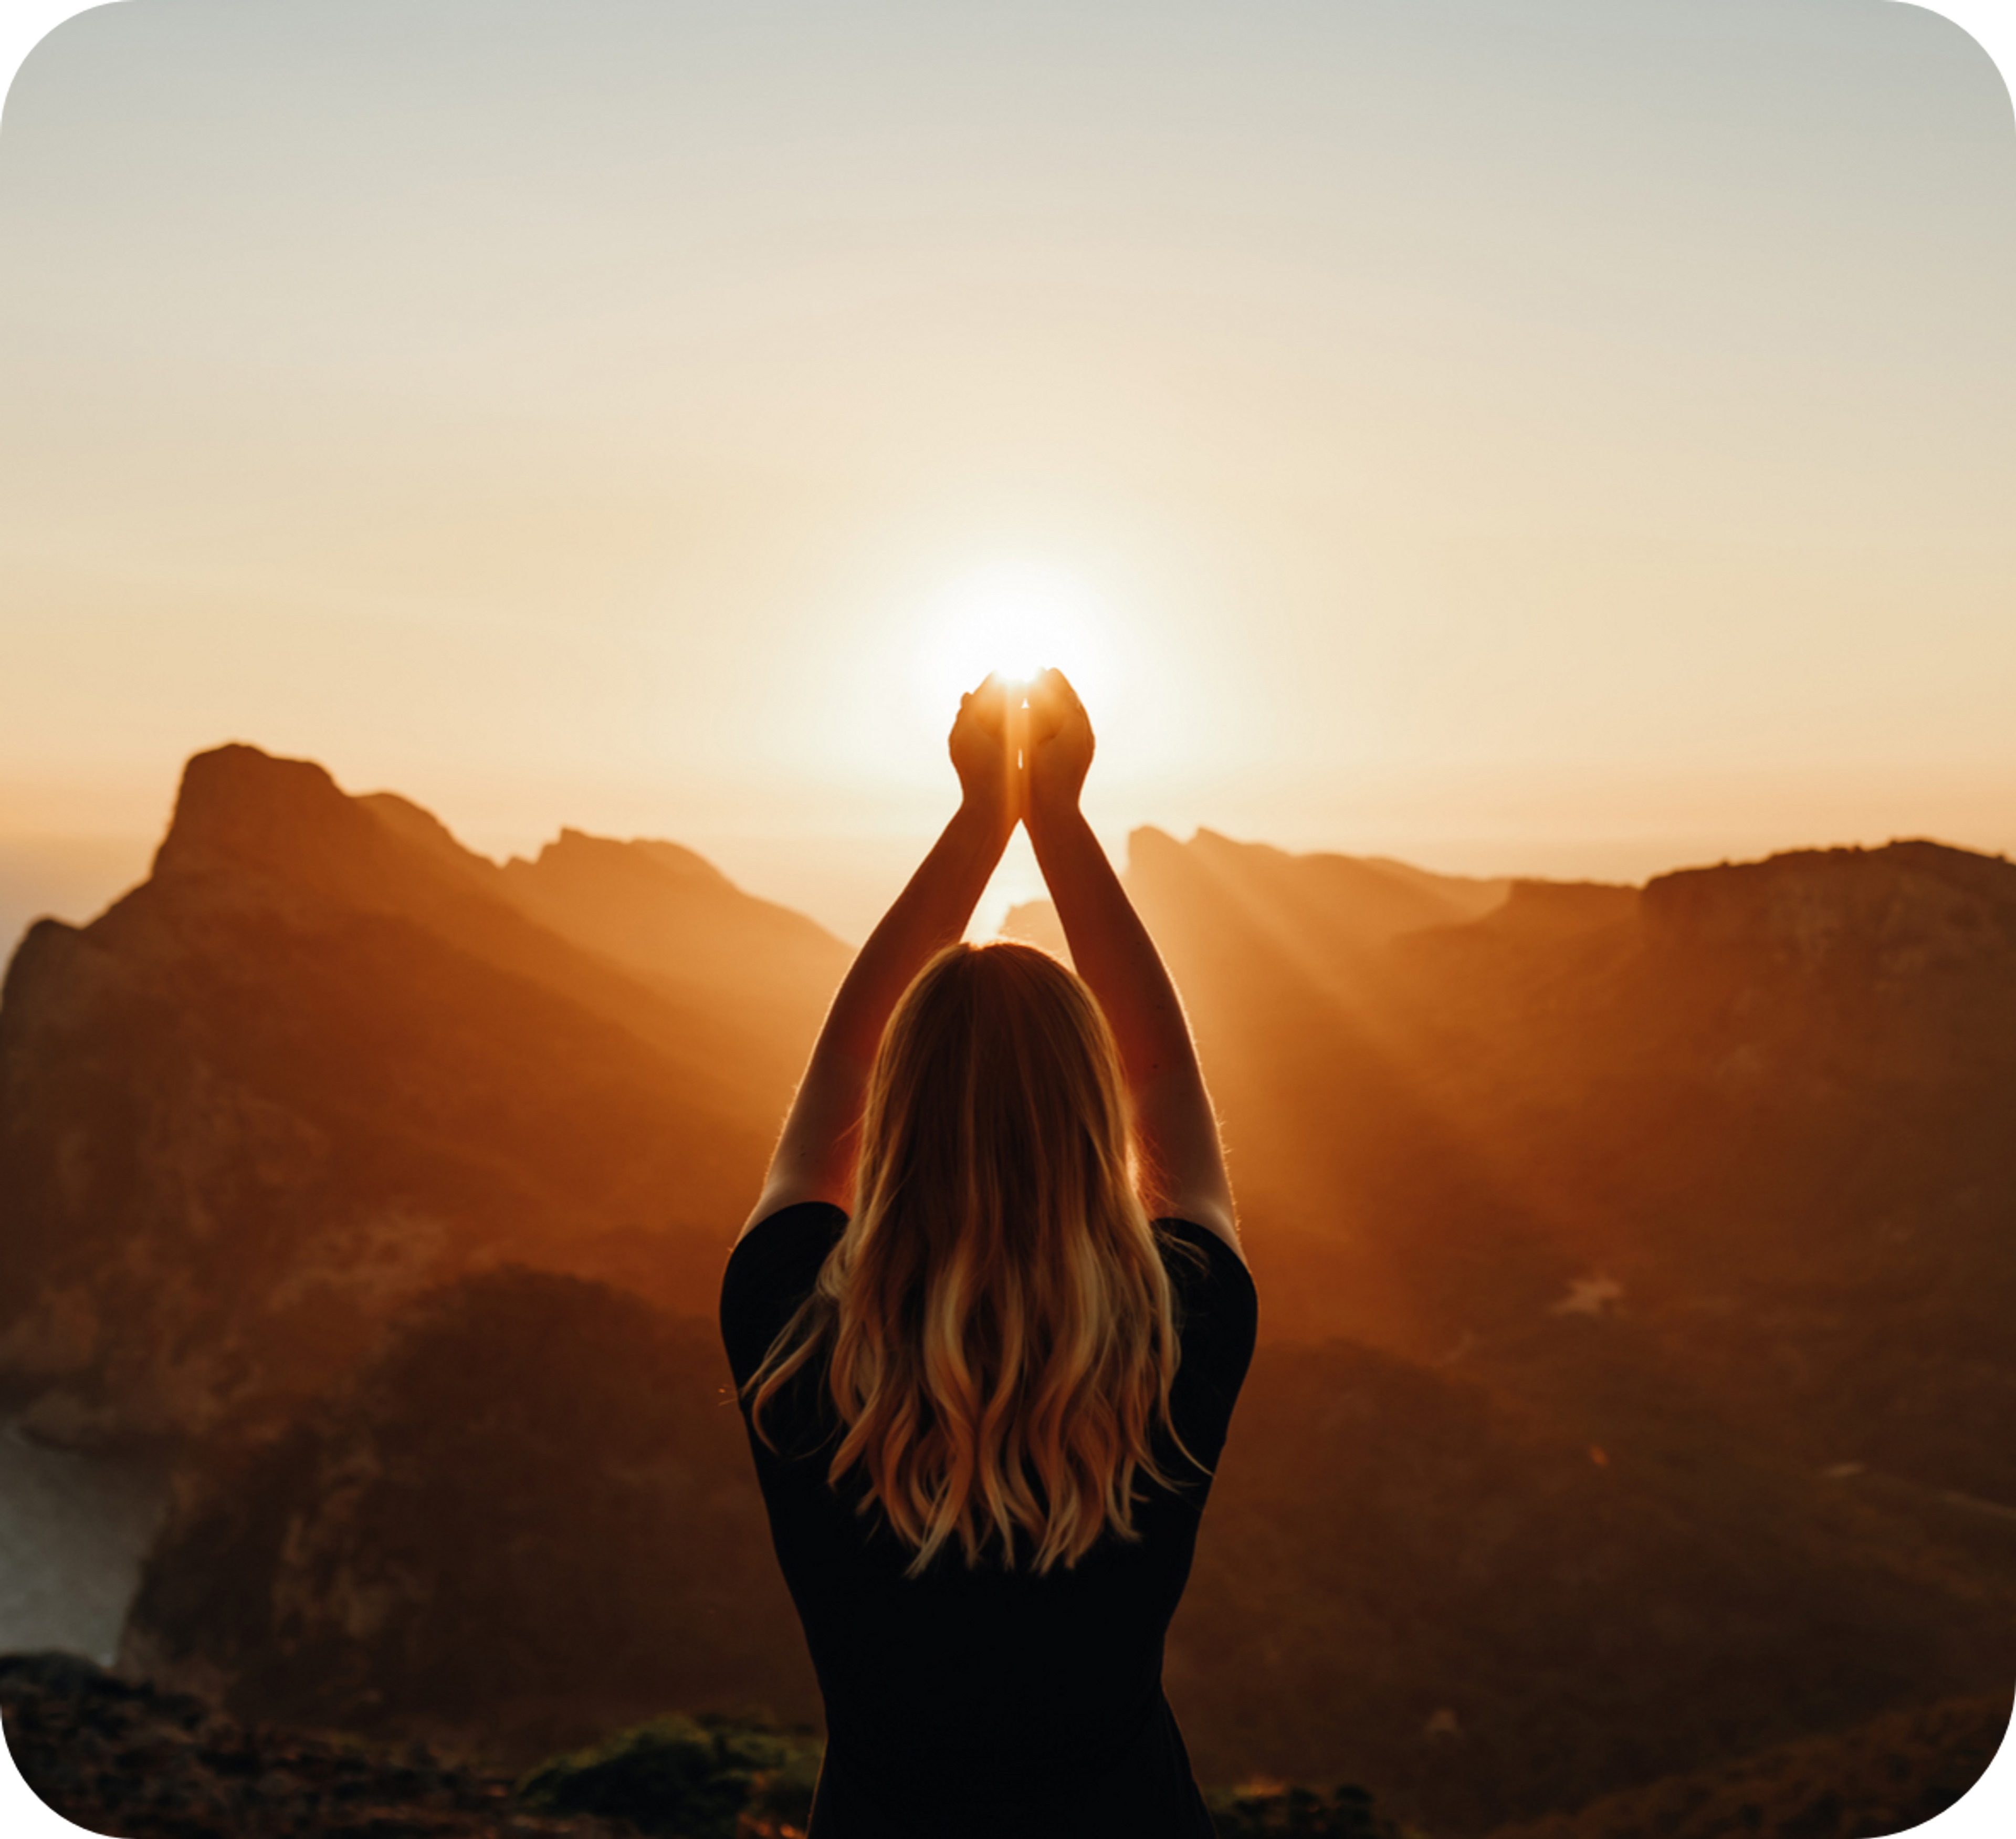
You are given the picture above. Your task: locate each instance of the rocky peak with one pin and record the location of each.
(1553, 908)
(327, 1056)
(240, 811)
(1914, 902)
(1331, 903)
(576, 854)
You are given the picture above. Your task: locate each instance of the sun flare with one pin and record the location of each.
(1018, 619)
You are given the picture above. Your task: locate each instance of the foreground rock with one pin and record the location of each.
(117, 1759)
(1891, 1774)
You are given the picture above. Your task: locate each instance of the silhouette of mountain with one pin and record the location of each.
(1636, 1267)
(673, 917)
(324, 1058)
(1706, 1186)
(1319, 910)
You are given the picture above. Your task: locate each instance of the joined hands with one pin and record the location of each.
(1022, 752)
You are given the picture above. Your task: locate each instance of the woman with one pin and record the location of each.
(985, 1392)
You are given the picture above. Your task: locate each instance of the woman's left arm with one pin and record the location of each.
(814, 1158)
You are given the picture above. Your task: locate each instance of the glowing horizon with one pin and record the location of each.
(1409, 446)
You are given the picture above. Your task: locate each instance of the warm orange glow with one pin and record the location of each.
(1017, 619)
(1353, 511)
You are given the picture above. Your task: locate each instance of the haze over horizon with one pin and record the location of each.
(1574, 441)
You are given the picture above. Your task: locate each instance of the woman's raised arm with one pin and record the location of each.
(814, 1159)
(1113, 954)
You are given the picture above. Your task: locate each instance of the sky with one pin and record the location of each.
(1572, 437)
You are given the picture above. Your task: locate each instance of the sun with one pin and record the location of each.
(1019, 618)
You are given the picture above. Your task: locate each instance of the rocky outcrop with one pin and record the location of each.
(1770, 1100)
(1902, 908)
(111, 1757)
(1891, 1774)
(530, 1519)
(324, 1058)
(1556, 909)
(670, 917)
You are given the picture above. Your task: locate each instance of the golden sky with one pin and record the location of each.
(1559, 438)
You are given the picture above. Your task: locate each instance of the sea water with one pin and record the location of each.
(74, 1529)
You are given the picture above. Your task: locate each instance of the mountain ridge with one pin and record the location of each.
(322, 1058)
(1636, 1267)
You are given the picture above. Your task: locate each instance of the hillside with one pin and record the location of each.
(527, 1520)
(1634, 1387)
(530, 1518)
(1889, 1776)
(324, 1059)
(1739, 1137)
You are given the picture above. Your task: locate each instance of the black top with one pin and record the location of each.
(1033, 1705)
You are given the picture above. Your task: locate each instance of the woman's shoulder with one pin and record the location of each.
(770, 1272)
(1210, 1277)
(779, 1235)
(1203, 1249)
(1218, 1324)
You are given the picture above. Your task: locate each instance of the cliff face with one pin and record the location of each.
(1898, 911)
(324, 1057)
(529, 1518)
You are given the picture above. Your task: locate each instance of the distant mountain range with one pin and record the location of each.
(1636, 1392)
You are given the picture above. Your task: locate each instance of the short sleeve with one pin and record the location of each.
(1219, 1313)
(769, 1274)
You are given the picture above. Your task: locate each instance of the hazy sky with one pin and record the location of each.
(1544, 437)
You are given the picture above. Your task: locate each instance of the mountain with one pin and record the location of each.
(1749, 1125)
(1324, 912)
(1706, 1188)
(1413, 1578)
(528, 1519)
(530, 1515)
(1635, 1265)
(324, 1059)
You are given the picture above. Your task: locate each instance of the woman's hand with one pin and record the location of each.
(986, 747)
(1059, 747)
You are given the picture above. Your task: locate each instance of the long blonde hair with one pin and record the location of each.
(999, 1327)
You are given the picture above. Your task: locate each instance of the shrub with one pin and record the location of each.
(1261, 1810)
(684, 1778)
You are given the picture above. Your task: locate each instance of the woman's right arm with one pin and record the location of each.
(1113, 954)
(814, 1158)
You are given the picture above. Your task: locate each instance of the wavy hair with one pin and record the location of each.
(998, 1329)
